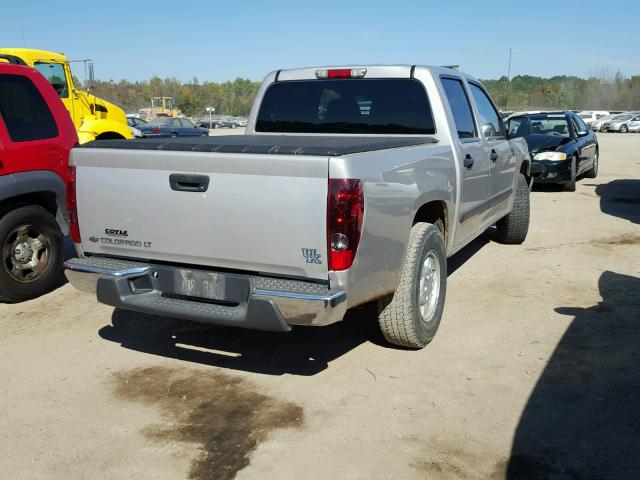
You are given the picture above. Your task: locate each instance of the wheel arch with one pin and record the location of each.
(42, 188)
(430, 212)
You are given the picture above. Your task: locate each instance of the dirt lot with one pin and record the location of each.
(534, 373)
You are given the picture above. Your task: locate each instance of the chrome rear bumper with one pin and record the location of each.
(259, 302)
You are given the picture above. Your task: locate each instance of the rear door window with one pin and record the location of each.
(356, 106)
(460, 107)
(24, 111)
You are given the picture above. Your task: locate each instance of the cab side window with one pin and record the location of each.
(24, 111)
(488, 116)
(460, 108)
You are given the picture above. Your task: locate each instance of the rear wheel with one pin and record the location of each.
(32, 253)
(173, 135)
(593, 172)
(570, 186)
(513, 228)
(411, 316)
(624, 129)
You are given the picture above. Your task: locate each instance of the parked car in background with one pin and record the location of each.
(561, 143)
(136, 122)
(240, 122)
(592, 116)
(597, 125)
(36, 135)
(172, 127)
(227, 123)
(208, 123)
(634, 124)
(324, 205)
(623, 123)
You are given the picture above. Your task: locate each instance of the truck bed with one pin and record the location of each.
(313, 145)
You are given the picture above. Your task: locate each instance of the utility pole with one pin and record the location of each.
(506, 95)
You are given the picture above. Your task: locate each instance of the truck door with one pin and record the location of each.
(502, 158)
(475, 161)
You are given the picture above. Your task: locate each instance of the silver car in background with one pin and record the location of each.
(624, 123)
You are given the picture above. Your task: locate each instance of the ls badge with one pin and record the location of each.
(311, 255)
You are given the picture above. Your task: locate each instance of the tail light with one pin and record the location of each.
(157, 130)
(72, 207)
(345, 211)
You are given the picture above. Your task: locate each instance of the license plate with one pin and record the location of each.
(194, 283)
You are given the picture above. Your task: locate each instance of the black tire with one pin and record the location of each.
(13, 289)
(513, 228)
(570, 186)
(173, 135)
(624, 129)
(593, 171)
(399, 315)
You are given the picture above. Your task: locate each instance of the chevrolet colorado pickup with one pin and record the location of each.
(351, 185)
(36, 136)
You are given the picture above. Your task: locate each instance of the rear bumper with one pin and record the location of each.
(256, 302)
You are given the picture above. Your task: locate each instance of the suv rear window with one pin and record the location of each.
(356, 106)
(24, 111)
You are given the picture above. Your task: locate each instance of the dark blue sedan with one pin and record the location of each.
(172, 127)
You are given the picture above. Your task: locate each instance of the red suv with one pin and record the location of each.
(36, 135)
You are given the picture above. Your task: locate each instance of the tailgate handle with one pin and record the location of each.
(188, 183)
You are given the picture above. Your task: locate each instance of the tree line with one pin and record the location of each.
(523, 92)
(526, 92)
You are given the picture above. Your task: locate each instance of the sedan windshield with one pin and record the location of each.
(557, 126)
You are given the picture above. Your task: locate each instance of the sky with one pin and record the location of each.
(222, 40)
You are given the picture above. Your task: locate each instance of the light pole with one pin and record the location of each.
(211, 110)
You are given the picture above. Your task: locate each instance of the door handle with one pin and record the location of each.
(493, 156)
(188, 183)
(468, 162)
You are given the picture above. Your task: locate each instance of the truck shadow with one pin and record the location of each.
(582, 419)
(620, 198)
(303, 351)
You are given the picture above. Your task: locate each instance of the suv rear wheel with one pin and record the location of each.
(411, 316)
(31, 253)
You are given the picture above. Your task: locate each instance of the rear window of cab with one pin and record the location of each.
(347, 106)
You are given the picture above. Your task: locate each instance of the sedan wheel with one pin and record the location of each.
(624, 129)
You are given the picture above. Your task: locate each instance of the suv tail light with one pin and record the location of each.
(72, 207)
(345, 211)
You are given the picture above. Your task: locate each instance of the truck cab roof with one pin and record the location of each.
(31, 55)
(372, 71)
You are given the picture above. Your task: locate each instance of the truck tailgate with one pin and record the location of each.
(260, 212)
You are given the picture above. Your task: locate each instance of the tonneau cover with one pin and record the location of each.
(271, 144)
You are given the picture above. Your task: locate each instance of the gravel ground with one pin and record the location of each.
(534, 373)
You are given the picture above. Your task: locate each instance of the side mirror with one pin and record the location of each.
(488, 130)
(583, 133)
